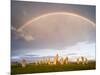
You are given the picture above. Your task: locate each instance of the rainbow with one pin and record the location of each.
(54, 13)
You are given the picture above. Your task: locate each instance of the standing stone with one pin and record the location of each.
(48, 61)
(66, 60)
(23, 63)
(82, 60)
(56, 59)
(62, 61)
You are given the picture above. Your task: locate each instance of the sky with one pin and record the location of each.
(62, 32)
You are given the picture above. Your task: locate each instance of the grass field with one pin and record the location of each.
(32, 68)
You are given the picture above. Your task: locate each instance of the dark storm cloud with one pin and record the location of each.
(24, 11)
(21, 12)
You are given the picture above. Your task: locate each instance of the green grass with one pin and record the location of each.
(32, 68)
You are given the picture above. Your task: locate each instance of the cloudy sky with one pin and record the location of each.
(45, 29)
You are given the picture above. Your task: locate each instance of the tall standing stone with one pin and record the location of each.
(56, 59)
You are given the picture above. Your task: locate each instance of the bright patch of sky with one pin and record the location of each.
(80, 49)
